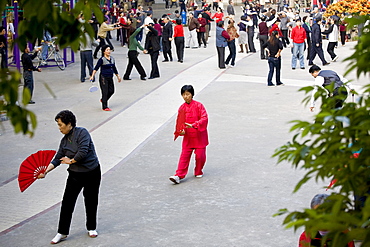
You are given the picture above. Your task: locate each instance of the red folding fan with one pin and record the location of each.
(180, 123)
(33, 166)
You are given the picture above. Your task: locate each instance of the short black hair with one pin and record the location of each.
(220, 23)
(66, 116)
(187, 88)
(104, 47)
(314, 68)
(178, 21)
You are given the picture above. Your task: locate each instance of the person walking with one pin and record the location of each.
(221, 42)
(343, 32)
(191, 123)
(307, 26)
(77, 150)
(298, 39)
(275, 46)
(231, 30)
(102, 36)
(230, 9)
(316, 46)
(332, 32)
(108, 68)
(284, 28)
(193, 25)
(201, 31)
(167, 34)
(28, 69)
(250, 32)
(133, 57)
(178, 35)
(152, 46)
(86, 57)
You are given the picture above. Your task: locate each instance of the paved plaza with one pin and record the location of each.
(242, 187)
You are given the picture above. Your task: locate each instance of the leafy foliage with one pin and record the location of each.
(336, 145)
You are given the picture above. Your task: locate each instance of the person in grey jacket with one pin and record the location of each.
(77, 150)
(230, 8)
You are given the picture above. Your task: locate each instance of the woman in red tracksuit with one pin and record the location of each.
(192, 121)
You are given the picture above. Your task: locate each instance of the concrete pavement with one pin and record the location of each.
(231, 206)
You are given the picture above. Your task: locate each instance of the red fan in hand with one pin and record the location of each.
(180, 123)
(33, 166)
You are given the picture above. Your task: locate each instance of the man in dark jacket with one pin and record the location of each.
(316, 46)
(167, 34)
(28, 69)
(152, 46)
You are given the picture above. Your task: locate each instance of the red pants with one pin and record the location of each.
(200, 160)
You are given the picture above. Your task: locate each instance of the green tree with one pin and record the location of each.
(62, 23)
(326, 149)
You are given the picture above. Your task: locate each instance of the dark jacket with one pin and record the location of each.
(316, 37)
(167, 31)
(27, 61)
(77, 145)
(152, 40)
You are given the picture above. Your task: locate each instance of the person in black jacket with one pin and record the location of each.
(316, 43)
(3, 48)
(28, 69)
(152, 46)
(167, 34)
(77, 150)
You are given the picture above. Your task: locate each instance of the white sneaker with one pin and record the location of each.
(175, 179)
(59, 237)
(92, 233)
(198, 176)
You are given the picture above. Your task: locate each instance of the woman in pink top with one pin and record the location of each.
(191, 123)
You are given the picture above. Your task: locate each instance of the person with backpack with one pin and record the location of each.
(324, 78)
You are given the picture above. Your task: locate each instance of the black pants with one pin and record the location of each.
(263, 40)
(221, 57)
(285, 38)
(107, 89)
(316, 50)
(343, 37)
(167, 49)
(250, 41)
(330, 49)
(90, 183)
(101, 44)
(201, 39)
(154, 61)
(133, 60)
(4, 57)
(180, 45)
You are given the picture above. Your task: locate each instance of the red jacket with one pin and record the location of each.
(298, 34)
(202, 23)
(276, 28)
(195, 114)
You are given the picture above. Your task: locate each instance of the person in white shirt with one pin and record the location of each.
(324, 78)
(332, 32)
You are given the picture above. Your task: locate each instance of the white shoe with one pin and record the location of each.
(335, 59)
(198, 176)
(59, 237)
(175, 179)
(92, 233)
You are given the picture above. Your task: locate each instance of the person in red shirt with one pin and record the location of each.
(178, 35)
(298, 37)
(191, 123)
(275, 27)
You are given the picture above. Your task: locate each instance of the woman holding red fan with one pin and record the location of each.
(192, 121)
(77, 150)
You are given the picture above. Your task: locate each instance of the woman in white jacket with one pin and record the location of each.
(333, 33)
